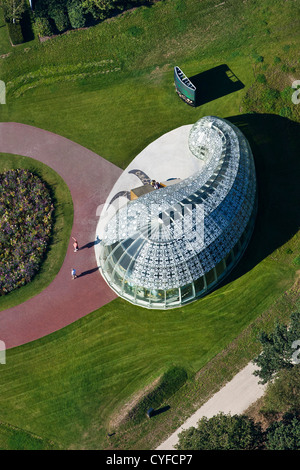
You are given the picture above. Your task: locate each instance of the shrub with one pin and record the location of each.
(277, 349)
(15, 33)
(284, 435)
(261, 78)
(42, 27)
(285, 112)
(222, 432)
(13, 11)
(57, 12)
(25, 227)
(296, 260)
(41, 9)
(269, 99)
(283, 394)
(76, 14)
(277, 60)
(135, 31)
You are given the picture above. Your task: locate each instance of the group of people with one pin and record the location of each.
(155, 184)
(76, 248)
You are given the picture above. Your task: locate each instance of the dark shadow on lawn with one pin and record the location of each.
(26, 26)
(215, 83)
(275, 143)
(160, 410)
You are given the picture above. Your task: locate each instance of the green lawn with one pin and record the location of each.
(66, 387)
(63, 218)
(5, 46)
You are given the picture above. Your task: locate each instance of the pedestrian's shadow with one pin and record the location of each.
(91, 244)
(89, 271)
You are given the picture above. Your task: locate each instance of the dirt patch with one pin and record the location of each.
(122, 415)
(254, 412)
(296, 286)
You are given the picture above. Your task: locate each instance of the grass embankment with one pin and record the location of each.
(68, 386)
(110, 87)
(63, 220)
(5, 46)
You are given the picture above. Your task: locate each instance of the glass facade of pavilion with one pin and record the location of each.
(174, 245)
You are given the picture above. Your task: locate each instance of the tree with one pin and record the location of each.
(14, 10)
(99, 8)
(278, 349)
(57, 11)
(222, 432)
(76, 13)
(284, 435)
(283, 394)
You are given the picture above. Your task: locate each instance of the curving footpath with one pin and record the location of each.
(90, 179)
(234, 398)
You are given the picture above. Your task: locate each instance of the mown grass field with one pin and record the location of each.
(68, 386)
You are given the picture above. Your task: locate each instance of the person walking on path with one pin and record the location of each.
(73, 273)
(75, 245)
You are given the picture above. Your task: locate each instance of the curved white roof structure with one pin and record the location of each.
(173, 245)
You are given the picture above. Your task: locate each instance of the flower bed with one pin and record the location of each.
(25, 227)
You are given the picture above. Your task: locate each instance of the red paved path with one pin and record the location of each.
(90, 179)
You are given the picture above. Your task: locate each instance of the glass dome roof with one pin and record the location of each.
(173, 245)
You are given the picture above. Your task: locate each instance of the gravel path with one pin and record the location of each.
(234, 398)
(90, 179)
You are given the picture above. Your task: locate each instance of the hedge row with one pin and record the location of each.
(56, 16)
(15, 33)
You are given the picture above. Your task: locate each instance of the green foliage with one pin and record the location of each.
(41, 9)
(14, 10)
(296, 260)
(42, 27)
(277, 349)
(73, 13)
(269, 99)
(57, 11)
(222, 432)
(277, 60)
(261, 78)
(15, 33)
(284, 435)
(135, 31)
(19, 439)
(285, 112)
(283, 394)
(26, 211)
(257, 58)
(76, 14)
(99, 8)
(171, 382)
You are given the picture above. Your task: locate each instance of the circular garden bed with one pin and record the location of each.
(26, 221)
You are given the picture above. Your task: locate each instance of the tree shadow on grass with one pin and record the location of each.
(26, 26)
(161, 410)
(215, 83)
(275, 146)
